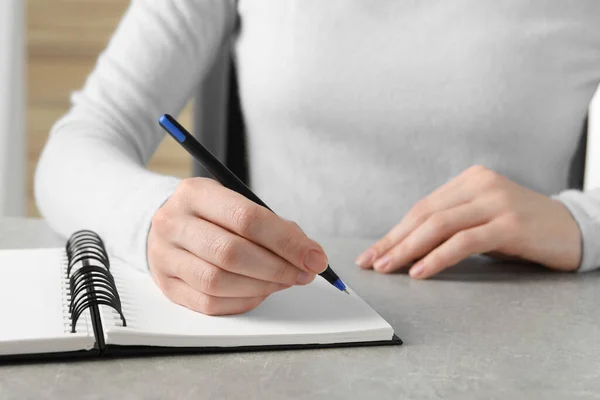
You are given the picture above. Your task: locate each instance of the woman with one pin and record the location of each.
(438, 129)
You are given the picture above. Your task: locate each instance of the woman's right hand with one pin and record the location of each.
(212, 250)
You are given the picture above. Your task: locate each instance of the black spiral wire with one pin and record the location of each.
(92, 283)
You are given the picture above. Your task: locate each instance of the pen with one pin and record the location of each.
(225, 176)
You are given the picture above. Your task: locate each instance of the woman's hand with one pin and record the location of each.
(214, 251)
(479, 211)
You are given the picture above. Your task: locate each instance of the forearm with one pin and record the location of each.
(83, 182)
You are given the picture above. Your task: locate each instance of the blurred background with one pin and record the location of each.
(63, 39)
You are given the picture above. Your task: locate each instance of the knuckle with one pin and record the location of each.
(282, 273)
(187, 188)
(181, 269)
(208, 305)
(182, 192)
(288, 245)
(405, 248)
(197, 301)
(269, 288)
(185, 231)
(477, 169)
(225, 251)
(187, 185)
(382, 245)
(296, 227)
(200, 182)
(421, 208)
(212, 279)
(492, 178)
(162, 221)
(244, 218)
(502, 199)
(198, 275)
(484, 177)
(439, 223)
(465, 241)
(197, 185)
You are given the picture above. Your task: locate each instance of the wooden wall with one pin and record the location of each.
(64, 38)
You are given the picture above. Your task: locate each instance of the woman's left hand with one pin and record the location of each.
(478, 212)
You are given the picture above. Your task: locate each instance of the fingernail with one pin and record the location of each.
(417, 269)
(366, 258)
(315, 261)
(304, 278)
(383, 263)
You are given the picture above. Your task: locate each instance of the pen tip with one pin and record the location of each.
(346, 290)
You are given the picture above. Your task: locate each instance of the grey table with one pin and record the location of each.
(481, 330)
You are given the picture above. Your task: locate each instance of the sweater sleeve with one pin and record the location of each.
(584, 205)
(92, 172)
(585, 209)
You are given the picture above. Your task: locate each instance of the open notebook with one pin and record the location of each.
(76, 301)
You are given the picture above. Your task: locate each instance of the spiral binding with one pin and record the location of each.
(66, 301)
(90, 281)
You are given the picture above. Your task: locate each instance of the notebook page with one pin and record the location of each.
(316, 313)
(31, 304)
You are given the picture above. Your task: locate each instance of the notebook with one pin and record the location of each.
(76, 301)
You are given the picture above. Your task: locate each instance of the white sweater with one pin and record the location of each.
(354, 109)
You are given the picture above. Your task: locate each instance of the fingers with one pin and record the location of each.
(214, 281)
(480, 239)
(217, 252)
(437, 228)
(234, 254)
(183, 294)
(237, 214)
(445, 197)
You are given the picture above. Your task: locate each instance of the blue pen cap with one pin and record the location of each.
(172, 129)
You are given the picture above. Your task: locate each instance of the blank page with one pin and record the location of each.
(31, 304)
(316, 313)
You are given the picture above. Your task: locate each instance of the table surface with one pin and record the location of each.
(483, 329)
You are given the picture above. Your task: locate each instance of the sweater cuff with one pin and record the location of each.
(133, 239)
(586, 212)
